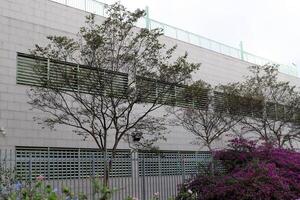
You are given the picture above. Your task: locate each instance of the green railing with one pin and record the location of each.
(98, 8)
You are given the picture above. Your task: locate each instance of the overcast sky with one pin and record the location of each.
(268, 28)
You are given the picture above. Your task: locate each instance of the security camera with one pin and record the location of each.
(2, 131)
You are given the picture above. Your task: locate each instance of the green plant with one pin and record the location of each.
(104, 191)
(37, 192)
(7, 182)
(40, 191)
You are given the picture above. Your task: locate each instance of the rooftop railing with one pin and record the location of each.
(97, 7)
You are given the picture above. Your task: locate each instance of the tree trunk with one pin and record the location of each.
(106, 170)
(212, 164)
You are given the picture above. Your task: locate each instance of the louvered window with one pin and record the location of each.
(238, 105)
(37, 71)
(280, 112)
(219, 103)
(271, 110)
(296, 117)
(257, 108)
(185, 99)
(27, 74)
(150, 90)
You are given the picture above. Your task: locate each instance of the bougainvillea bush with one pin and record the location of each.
(252, 172)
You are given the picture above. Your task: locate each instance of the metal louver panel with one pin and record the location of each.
(172, 163)
(115, 84)
(201, 102)
(237, 105)
(65, 163)
(36, 71)
(41, 72)
(271, 110)
(151, 90)
(27, 74)
(243, 105)
(183, 99)
(257, 108)
(166, 92)
(146, 89)
(296, 117)
(219, 104)
(280, 111)
(63, 76)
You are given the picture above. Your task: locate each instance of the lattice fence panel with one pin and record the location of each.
(56, 163)
(172, 163)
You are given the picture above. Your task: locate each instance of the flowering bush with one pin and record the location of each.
(7, 182)
(252, 172)
(39, 191)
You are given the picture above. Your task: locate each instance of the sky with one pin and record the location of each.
(267, 28)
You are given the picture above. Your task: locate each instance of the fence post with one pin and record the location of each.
(242, 50)
(93, 175)
(79, 167)
(1, 158)
(183, 169)
(147, 18)
(159, 174)
(143, 180)
(30, 169)
(48, 164)
(93, 165)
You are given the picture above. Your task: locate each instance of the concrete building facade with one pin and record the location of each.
(26, 23)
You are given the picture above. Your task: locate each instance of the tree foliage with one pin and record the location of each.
(211, 115)
(119, 77)
(276, 104)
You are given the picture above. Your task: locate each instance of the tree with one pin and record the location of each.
(276, 104)
(109, 81)
(212, 114)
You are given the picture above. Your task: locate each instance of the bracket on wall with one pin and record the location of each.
(2, 131)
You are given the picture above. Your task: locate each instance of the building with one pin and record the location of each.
(61, 154)
(28, 22)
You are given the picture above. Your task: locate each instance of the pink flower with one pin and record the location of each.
(40, 178)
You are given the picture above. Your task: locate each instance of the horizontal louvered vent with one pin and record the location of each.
(27, 74)
(237, 105)
(150, 90)
(36, 71)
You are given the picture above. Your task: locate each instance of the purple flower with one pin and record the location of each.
(18, 186)
(252, 172)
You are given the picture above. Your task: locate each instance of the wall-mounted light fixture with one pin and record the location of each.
(136, 136)
(2, 131)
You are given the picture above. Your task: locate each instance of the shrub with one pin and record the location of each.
(252, 172)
